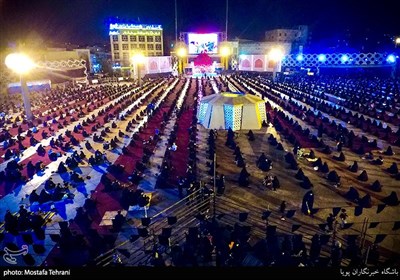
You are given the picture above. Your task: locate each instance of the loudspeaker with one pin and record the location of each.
(143, 232)
(172, 220)
(145, 222)
(290, 213)
(164, 240)
(166, 232)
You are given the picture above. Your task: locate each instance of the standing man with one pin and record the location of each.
(282, 209)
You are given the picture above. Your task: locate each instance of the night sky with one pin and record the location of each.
(86, 21)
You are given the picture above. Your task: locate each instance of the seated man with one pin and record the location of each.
(106, 145)
(76, 178)
(61, 168)
(389, 151)
(33, 141)
(39, 166)
(44, 134)
(40, 150)
(118, 221)
(378, 161)
(52, 143)
(9, 154)
(250, 135)
(33, 197)
(354, 167)
(53, 155)
(88, 145)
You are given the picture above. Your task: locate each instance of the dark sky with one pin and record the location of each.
(85, 21)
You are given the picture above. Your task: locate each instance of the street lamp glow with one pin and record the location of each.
(321, 58)
(19, 63)
(275, 55)
(138, 58)
(299, 57)
(391, 58)
(397, 41)
(225, 51)
(181, 52)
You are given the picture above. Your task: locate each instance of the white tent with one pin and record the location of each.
(234, 110)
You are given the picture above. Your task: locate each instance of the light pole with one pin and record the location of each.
(276, 56)
(21, 64)
(137, 61)
(225, 52)
(181, 52)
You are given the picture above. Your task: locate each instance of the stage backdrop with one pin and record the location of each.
(259, 63)
(158, 64)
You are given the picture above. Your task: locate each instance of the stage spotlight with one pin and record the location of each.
(321, 58)
(344, 58)
(299, 57)
(391, 58)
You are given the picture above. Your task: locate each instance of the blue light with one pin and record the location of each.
(299, 57)
(391, 58)
(344, 58)
(322, 58)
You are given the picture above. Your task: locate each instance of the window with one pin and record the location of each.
(125, 56)
(150, 39)
(141, 38)
(116, 47)
(124, 38)
(151, 54)
(142, 46)
(133, 46)
(116, 55)
(115, 38)
(132, 38)
(125, 47)
(158, 47)
(150, 47)
(159, 53)
(158, 38)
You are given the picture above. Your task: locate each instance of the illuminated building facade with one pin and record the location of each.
(127, 39)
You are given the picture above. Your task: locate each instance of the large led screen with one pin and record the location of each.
(202, 43)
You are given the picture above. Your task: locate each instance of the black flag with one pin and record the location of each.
(358, 211)
(373, 225)
(295, 227)
(396, 225)
(379, 238)
(380, 208)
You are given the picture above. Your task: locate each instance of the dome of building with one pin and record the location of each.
(234, 110)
